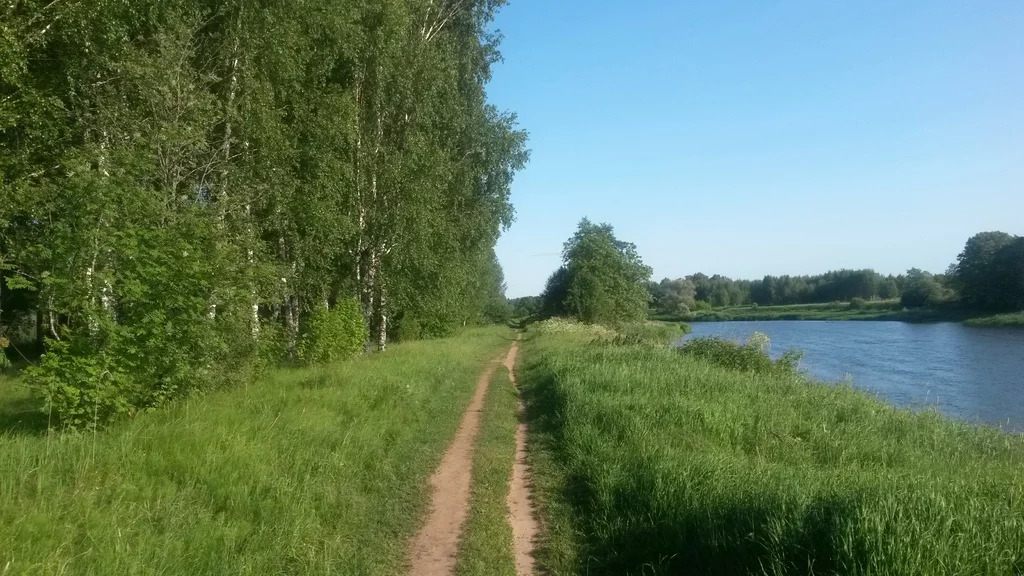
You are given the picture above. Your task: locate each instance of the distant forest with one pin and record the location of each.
(987, 276)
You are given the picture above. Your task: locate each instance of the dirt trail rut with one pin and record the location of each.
(520, 508)
(434, 548)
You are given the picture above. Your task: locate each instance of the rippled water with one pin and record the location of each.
(971, 373)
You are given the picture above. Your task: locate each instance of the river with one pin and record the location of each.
(976, 374)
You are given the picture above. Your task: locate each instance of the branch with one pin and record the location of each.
(442, 19)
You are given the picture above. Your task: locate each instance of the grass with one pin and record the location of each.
(19, 409)
(315, 471)
(485, 547)
(648, 461)
(1013, 319)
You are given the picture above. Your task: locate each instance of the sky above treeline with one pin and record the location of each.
(752, 138)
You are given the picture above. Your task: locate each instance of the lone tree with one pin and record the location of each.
(602, 280)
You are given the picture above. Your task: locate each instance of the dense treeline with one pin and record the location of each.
(187, 184)
(988, 276)
(718, 291)
(597, 283)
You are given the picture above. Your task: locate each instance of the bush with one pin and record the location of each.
(566, 326)
(81, 387)
(750, 357)
(858, 304)
(4, 343)
(334, 334)
(650, 333)
(700, 306)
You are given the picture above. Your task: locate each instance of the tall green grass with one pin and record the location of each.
(315, 471)
(1013, 319)
(649, 461)
(485, 547)
(874, 310)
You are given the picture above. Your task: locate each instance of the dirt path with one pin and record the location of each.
(520, 508)
(435, 547)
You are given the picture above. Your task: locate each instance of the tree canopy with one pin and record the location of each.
(990, 271)
(602, 280)
(185, 183)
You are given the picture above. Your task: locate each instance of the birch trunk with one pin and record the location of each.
(382, 340)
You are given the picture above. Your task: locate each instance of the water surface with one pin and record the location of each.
(972, 373)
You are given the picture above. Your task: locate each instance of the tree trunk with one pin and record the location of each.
(382, 341)
(40, 334)
(53, 319)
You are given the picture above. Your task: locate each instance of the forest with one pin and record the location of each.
(988, 276)
(191, 189)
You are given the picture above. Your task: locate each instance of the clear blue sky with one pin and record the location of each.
(752, 138)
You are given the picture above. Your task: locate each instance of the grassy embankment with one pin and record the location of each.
(880, 310)
(320, 471)
(486, 543)
(650, 461)
(1013, 319)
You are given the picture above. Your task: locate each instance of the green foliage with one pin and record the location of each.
(749, 357)
(890, 310)
(81, 387)
(525, 306)
(555, 294)
(921, 289)
(1013, 319)
(573, 327)
(673, 297)
(834, 286)
(603, 280)
(648, 461)
(990, 271)
(650, 333)
(334, 334)
(179, 179)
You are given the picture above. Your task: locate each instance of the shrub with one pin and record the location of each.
(858, 304)
(700, 306)
(81, 387)
(749, 357)
(4, 343)
(650, 333)
(566, 326)
(334, 334)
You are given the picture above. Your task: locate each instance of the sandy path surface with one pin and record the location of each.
(434, 548)
(520, 501)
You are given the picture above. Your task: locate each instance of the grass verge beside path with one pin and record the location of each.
(647, 461)
(486, 544)
(316, 471)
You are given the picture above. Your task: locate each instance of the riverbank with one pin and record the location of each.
(308, 471)
(884, 311)
(644, 460)
(1013, 319)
